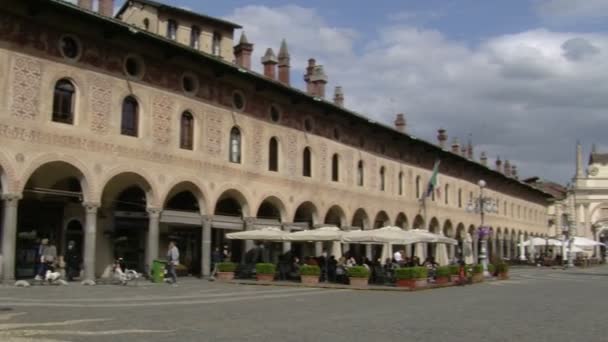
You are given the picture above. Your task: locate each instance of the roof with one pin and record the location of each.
(556, 190)
(179, 10)
(295, 93)
(598, 158)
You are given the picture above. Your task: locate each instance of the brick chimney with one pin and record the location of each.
(269, 60)
(400, 123)
(339, 96)
(514, 172)
(483, 159)
(309, 70)
(318, 80)
(86, 4)
(442, 137)
(106, 7)
(499, 164)
(455, 146)
(507, 168)
(284, 64)
(242, 52)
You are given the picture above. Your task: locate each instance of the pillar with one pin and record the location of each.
(500, 250)
(475, 248)
(522, 248)
(152, 243)
(90, 240)
(318, 248)
(206, 246)
(9, 237)
(368, 251)
(286, 245)
(509, 243)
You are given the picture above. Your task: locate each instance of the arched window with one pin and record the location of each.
(382, 179)
(447, 194)
(146, 23)
(195, 37)
(216, 44)
(360, 174)
(172, 29)
(273, 155)
(130, 117)
(235, 145)
(186, 132)
(306, 163)
(418, 187)
(459, 198)
(335, 168)
(400, 183)
(63, 102)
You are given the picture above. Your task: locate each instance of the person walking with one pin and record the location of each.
(72, 261)
(216, 258)
(48, 258)
(172, 262)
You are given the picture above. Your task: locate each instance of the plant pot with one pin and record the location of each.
(503, 275)
(442, 280)
(477, 277)
(225, 276)
(411, 283)
(422, 282)
(264, 277)
(309, 279)
(358, 282)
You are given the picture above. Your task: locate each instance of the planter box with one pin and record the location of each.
(420, 283)
(503, 276)
(309, 279)
(478, 277)
(358, 282)
(264, 277)
(411, 283)
(225, 276)
(442, 280)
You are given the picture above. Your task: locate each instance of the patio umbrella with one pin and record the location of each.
(262, 234)
(386, 253)
(585, 242)
(319, 234)
(426, 236)
(420, 251)
(393, 235)
(537, 241)
(441, 254)
(522, 248)
(336, 249)
(467, 249)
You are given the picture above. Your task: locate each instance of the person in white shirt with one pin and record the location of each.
(398, 257)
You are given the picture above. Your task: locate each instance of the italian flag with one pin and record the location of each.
(433, 183)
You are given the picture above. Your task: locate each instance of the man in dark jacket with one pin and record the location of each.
(72, 261)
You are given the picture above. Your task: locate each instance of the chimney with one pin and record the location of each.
(442, 137)
(269, 60)
(470, 149)
(455, 146)
(463, 151)
(483, 159)
(242, 52)
(318, 80)
(514, 172)
(400, 123)
(339, 96)
(86, 4)
(499, 164)
(106, 7)
(284, 65)
(507, 168)
(309, 70)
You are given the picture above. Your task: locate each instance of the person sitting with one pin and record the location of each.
(431, 267)
(295, 268)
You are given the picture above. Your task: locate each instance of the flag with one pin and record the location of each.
(433, 180)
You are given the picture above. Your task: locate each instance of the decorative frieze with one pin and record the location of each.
(214, 133)
(100, 89)
(27, 75)
(292, 154)
(162, 112)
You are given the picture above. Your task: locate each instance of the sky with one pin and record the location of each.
(525, 79)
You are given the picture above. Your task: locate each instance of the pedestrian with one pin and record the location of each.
(216, 258)
(48, 258)
(72, 261)
(172, 262)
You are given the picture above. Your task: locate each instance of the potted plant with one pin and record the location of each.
(225, 270)
(491, 269)
(454, 273)
(309, 274)
(411, 277)
(442, 275)
(502, 269)
(358, 276)
(477, 273)
(265, 271)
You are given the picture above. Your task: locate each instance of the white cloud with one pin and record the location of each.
(573, 9)
(526, 97)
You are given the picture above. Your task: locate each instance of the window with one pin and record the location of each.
(336, 133)
(70, 47)
(400, 183)
(195, 37)
(134, 66)
(306, 163)
(130, 117)
(146, 23)
(216, 44)
(335, 168)
(235, 145)
(382, 179)
(190, 84)
(172, 29)
(418, 187)
(186, 131)
(273, 155)
(459, 198)
(238, 100)
(275, 114)
(63, 102)
(360, 175)
(446, 194)
(308, 124)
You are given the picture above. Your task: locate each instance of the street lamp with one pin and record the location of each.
(483, 205)
(568, 232)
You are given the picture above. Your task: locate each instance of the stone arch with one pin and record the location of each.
(306, 212)
(335, 215)
(401, 221)
(230, 198)
(460, 231)
(448, 228)
(116, 185)
(434, 225)
(51, 160)
(361, 219)
(381, 220)
(181, 186)
(272, 205)
(140, 178)
(418, 222)
(8, 178)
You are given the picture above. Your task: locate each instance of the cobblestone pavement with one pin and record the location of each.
(534, 305)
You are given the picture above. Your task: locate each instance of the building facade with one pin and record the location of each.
(121, 134)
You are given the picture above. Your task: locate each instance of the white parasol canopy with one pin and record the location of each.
(426, 236)
(441, 255)
(537, 241)
(262, 234)
(394, 235)
(585, 242)
(336, 249)
(387, 248)
(318, 234)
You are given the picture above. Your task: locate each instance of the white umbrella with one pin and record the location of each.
(441, 254)
(467, 249)
(336, 249)
(420, 251)
(319, 234)
(394, 235)
(262, 234)
(536, 241)
(522, 248)
(426, 236)
(585, 242)
(386, 252)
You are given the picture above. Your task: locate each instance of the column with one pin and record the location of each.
(318, 248)
(509, 243)
(368, 251)
(286, 245)
(206, 246)
(152, 243)
(500, 250)
(90, 240)
(475, 248)
(9, 237)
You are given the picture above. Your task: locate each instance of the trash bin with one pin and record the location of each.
(158, 271)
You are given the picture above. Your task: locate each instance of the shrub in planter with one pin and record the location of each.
(502, 269)
(309, 274)
(477, 273)
(491, 269)
(225, 270)
(411, 276)
(454, 272)
(358, 276)
(442, 275)
(265, 271)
